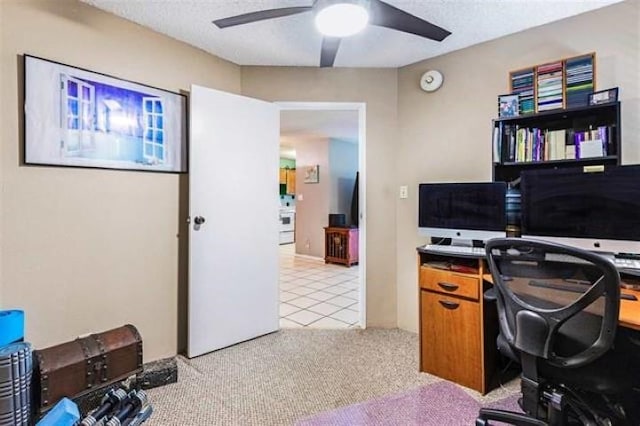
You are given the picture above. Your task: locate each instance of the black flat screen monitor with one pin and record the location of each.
(470, 211)
(598, 211)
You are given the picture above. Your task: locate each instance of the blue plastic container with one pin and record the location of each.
(11, 326)
(64, 413)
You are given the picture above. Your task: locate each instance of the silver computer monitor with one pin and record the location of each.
(597, 211)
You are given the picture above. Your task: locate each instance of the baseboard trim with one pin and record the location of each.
(306, 256)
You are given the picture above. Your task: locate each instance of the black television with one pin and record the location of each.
(355, 209)
(465, 211)
(597, 211)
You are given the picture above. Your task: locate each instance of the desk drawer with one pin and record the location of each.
(451, 345)
(448, 282)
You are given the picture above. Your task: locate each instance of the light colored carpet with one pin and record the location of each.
(437, 404)
(294, 373)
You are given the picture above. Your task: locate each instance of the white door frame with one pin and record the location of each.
(361, 107)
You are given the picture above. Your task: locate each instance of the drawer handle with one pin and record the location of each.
(449, 305)
(448, 287)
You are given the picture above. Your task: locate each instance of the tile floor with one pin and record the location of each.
(315, 294)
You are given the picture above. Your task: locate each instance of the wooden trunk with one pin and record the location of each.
(74, 368)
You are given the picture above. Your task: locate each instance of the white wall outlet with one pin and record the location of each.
(404, 191)
(300, 197)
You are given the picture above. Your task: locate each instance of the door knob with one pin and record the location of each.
(199, 220)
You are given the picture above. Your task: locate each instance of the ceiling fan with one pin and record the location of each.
(337, 19)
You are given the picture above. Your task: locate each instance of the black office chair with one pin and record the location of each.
(558, 314)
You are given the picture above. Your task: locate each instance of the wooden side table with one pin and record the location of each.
(341, 245)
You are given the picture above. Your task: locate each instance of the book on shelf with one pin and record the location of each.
(603, 135)
(497, 143)
(594, 142)
(517, 144)
(557, 144)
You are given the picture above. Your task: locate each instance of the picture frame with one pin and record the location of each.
(508, 105)
(312, 174)
(602, 97)
(74, 117)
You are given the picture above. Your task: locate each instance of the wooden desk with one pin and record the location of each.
(629, 309)
(457, 334)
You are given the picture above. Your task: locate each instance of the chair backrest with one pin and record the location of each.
(555, 302)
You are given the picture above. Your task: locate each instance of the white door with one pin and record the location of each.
(233, 254)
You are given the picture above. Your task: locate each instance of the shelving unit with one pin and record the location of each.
(554, 139)
(563, 83)
(550, 86)
(522, 84)
(580, 72)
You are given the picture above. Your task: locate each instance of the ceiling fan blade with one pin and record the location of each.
(260, 16)
(385, 15)
(329, 51)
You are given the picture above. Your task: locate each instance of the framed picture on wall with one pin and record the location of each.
(80, 118)
(312, 174)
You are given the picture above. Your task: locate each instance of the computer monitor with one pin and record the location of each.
(598, 211)
(462, 211)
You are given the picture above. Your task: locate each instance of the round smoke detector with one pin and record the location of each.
(431, 81)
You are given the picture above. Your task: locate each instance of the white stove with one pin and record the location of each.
(287, 226)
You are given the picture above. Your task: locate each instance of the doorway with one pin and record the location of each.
(323, 147)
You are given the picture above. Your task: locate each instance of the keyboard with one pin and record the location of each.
(565, 258)
(476, 251)
(623, 263)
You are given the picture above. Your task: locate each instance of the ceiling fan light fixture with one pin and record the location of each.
(342, 19)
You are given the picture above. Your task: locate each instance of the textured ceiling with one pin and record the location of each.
(294, 41)
(296, 126)
(317, 124)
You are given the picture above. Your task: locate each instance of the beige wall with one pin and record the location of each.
(446, 136)
(87, 250)
(378, 89)
(338, 163)
(312, 209)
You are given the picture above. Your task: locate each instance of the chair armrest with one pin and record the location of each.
(490, 295)
(510, 417)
